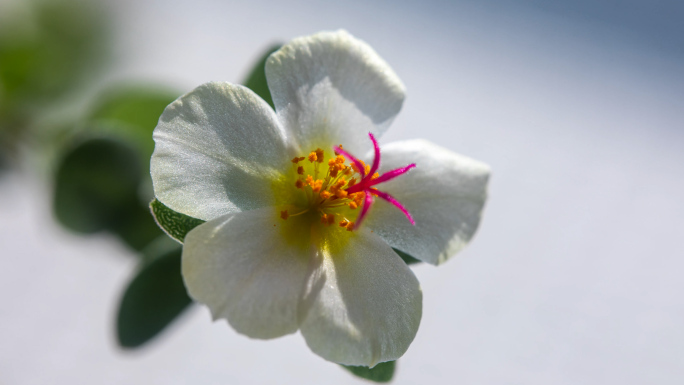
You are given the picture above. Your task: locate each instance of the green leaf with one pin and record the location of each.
(382, 372)
(256, 81)
(152, 300)
(406, 257)
(97, 189)
(175, 224)
(94, 182)
(133, 113)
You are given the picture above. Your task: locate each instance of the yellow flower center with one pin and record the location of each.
(322, 185)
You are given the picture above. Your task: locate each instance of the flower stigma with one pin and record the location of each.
(337, 193)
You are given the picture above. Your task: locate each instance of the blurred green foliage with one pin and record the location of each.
(48, 49)
(152, 300)
(382, 372)
(132, 113)
(94, 182)
(103, 184)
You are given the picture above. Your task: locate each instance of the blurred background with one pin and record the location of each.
(575, 275)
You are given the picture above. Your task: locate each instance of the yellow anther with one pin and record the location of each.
(331, 162)
(358, 197)
(284, 214)
(339, 159)
(313, 157)
(376, 175)
(299, 183)
(295, 160)
(352, 182)
(333, 173)
(353, 205)
(356, 169)
(343, 223)
(340, 183)
(341, 194)
(350, 226)
(317, 185)
(309, 180)
(325, 194)
(348, 171)
(328, 219)
(300, 170)
(319, 155)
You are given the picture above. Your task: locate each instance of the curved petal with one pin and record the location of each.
(332, 88)
(445, 195)
(242, 268)
(217, 151)
(363, 304)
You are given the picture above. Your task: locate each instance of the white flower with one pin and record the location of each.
(282, 249)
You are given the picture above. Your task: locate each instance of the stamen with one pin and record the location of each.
(364, 210)
(299, 213)
(359, 165)
(316, 187)
(319, 155)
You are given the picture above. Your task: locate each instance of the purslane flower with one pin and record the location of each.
(300, 230)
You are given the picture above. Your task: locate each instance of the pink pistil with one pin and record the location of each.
(366, 183)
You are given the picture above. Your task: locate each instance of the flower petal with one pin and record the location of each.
(332, 88)
(242, 268)
(445, 195)
(363, 304)
(217, 151)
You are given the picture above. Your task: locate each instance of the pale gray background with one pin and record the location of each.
(575, 276)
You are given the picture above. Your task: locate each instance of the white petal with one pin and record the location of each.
(217, 149)
(242, 268)
(331, 88)
(363, 304)
(445, 194)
